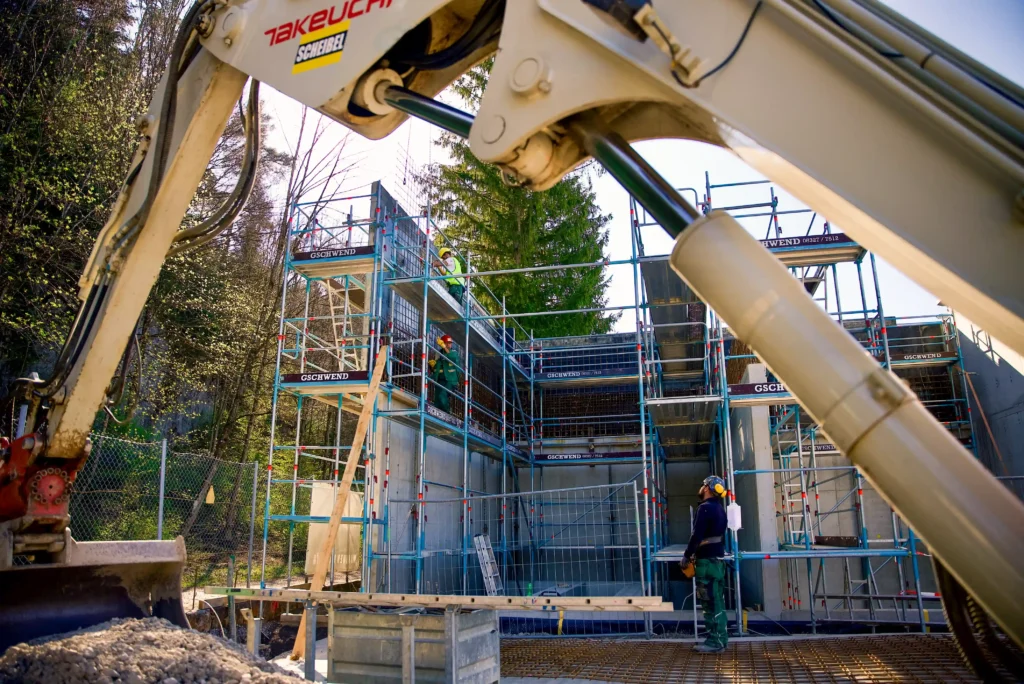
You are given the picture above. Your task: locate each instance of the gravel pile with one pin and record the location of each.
(136, 651)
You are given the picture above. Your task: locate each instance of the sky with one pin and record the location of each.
(990, 31)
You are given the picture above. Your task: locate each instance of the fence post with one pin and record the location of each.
(232, 623)
(160, 499)
(252, 522)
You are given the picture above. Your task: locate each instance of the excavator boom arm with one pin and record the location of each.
(914, 150)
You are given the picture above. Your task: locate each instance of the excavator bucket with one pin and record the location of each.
(97, 582)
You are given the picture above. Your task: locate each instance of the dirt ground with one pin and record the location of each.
(138, 651)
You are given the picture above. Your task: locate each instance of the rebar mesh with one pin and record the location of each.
(869, 659)
(588, 356)
(586, 412)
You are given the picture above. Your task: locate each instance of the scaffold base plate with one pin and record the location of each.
(875, 658)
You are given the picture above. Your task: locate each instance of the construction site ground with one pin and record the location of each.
(922, 658)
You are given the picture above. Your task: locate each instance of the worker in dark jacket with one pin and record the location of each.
(705, 552)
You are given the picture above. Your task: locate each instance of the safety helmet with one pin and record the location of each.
(715, 484)
(443, 252)
(445, 340)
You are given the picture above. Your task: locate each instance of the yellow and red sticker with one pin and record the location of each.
(320, 48)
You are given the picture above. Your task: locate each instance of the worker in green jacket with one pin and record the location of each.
(451, 266)
(444, 372)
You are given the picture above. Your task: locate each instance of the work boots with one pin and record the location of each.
(708, 648)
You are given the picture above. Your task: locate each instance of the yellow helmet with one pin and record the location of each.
(443, 252)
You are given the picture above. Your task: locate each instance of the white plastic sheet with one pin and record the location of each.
(346, 548)
(734, 515)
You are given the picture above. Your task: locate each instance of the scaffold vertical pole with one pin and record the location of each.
(335, 469)
(294, 484)
(641, 405)
(950, 320)
(386, 495)
(467, 385)
(729, 469)
(881, 311)
(422, 435)
(504, 441)
(533, 439)
(812, 434)
(912, 545)
(835, 290)
(899, 607)
(806, 517)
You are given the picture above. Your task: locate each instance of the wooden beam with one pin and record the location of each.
(323, 559)
(350, 598)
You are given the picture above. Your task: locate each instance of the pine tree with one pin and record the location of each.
(506, 227)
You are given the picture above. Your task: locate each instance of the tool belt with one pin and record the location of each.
(710, 540)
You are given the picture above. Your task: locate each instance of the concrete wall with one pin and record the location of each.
(840, 575)
(834, 512)
(584, 518)
(751, 444)
(767, 584)
(997, 373)
(684, 480)
(443, 464)
(782, 587)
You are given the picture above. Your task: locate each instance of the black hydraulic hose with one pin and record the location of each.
(78, 339)
(168, 109)
(422, 107)
(116, 391)
(76, 331)
(484, 29)
(652, 191)
(232, 207)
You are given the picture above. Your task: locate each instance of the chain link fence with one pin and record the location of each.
(141, 490)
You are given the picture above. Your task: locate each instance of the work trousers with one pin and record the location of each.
(442, 397)
(456, 291)
(710, 577)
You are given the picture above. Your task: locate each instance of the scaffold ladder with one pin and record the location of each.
(488, 566)
(793, 500)
(341, 323)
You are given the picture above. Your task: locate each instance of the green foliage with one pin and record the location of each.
(505, 227)
(67, 105)
(74, 76)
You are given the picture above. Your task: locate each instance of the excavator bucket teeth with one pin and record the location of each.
(100, 581)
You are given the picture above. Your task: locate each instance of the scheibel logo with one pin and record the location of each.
(320, 48)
